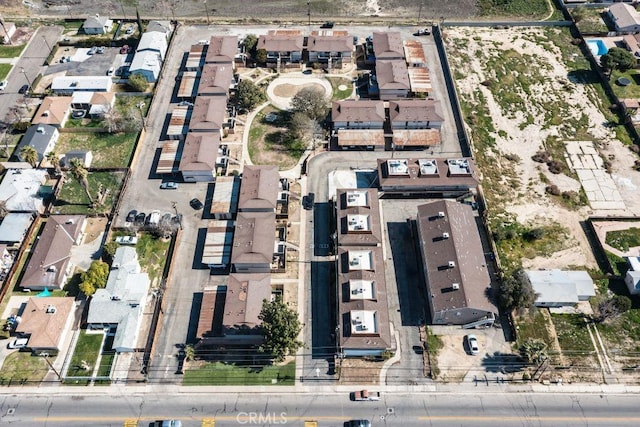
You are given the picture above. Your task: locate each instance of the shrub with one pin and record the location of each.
(541, 157)
(634, 148)
(553, 190)
(138, 83)
(512, 157)
(555, 166)
(487, 83)
(571, 196)
(534, 234)
(636, 165)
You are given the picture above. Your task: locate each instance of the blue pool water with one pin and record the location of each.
(597, 47)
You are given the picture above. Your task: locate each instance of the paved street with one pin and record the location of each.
(32, 61)
(486, 406)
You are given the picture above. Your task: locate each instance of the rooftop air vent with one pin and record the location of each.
(451, 264)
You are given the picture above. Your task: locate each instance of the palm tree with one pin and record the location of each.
(80, 173)
(3, 209)
(54, 160)
(29, 155)
(4, 28)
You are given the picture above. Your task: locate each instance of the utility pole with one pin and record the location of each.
(206, 10)
(309, 11)
(45, 356)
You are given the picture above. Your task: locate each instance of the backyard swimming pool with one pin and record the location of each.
(597, 47)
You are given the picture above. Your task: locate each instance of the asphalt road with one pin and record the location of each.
(270, 409)
(32, 61)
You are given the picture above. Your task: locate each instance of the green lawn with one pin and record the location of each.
(222, 374)
(20, 366)
(338, 94)
(87, 351)
(73, 199)
(534, 323)
(269, 143)
(574, 339)
(109, 150)
(152, 254)
(4, 70)
(630, 91)
(623, 239)
(11, 51)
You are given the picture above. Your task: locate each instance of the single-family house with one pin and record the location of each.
(259, 188)
(68, 85)
(358, 217)
(53, 111)
(200, 157)
(50, 262)
(146, 63)
(392, 79)
(352, 114)
(363, 312)
(119, 306)
(7, 30)
(625, 18)
(415, 114)
(97, 25)
(22, 190)
(101, 103)
(46, 321)
(14, 228)
(253, 242)
(41, 137)
(332, 51)
(557, 288)
(454, 265)
(283, 47)
(153, 41)
(216, 80)
(221, 50)
(632, 278)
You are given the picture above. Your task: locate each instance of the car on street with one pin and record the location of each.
(328, 24)
(169, 185)
(127, 240)
(167, 423)
(472, 342)
(3, 84)
(18, 343)
(23, 89)
(196, 204)
(131, 216)
(357, 423)
(307, 71)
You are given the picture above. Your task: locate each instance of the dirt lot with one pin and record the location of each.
(249, 10)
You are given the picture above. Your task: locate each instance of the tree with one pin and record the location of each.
(29, 155)
(249, 44)
(113, 120)
(613, 307)
(94, 278)
(138, 83)
(4, 30)
(618, 59)
(300, 126)
(109, 250)
(516, 292)
(249, 95)
(54, 160)
(189, 353)
(3, 209)
(311, 102)
(260, 56)
(280, 327)
(534, 350)
(80, 173)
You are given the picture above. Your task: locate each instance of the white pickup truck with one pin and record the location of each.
(365, 395)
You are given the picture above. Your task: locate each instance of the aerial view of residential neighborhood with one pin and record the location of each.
(319, 213)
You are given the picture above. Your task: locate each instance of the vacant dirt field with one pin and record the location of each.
(249, 10)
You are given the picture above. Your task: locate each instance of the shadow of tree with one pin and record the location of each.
(506, 363)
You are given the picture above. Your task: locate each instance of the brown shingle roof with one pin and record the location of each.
(254, 237)
(200, 151)
(221, 49)
(215, 79)
(388, 45)
(52, 111)
(103, 98)
(462, 246)
(392, 75)
(358, 223)
(414, 110)
(259, 188)
(45, 319)
(208, 113)
(243, 302)
(279, 42)
(51, 252)
(358, 111)
(330, 44)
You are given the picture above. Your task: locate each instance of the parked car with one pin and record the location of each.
(131, 216)
(185, 104)
(308, 200)
(78, 114)
(140, 218)
(169, 186)
(124, 49)
(365, 395)
(100, 50)
(18, 343)
(422, 32)
(196, 204)
(110, 71)
(328, 24)
(127, 240)
(92, 51)
(23, 89)
(472, 342)
(3, 84)
(168, 423)
(357, 423)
